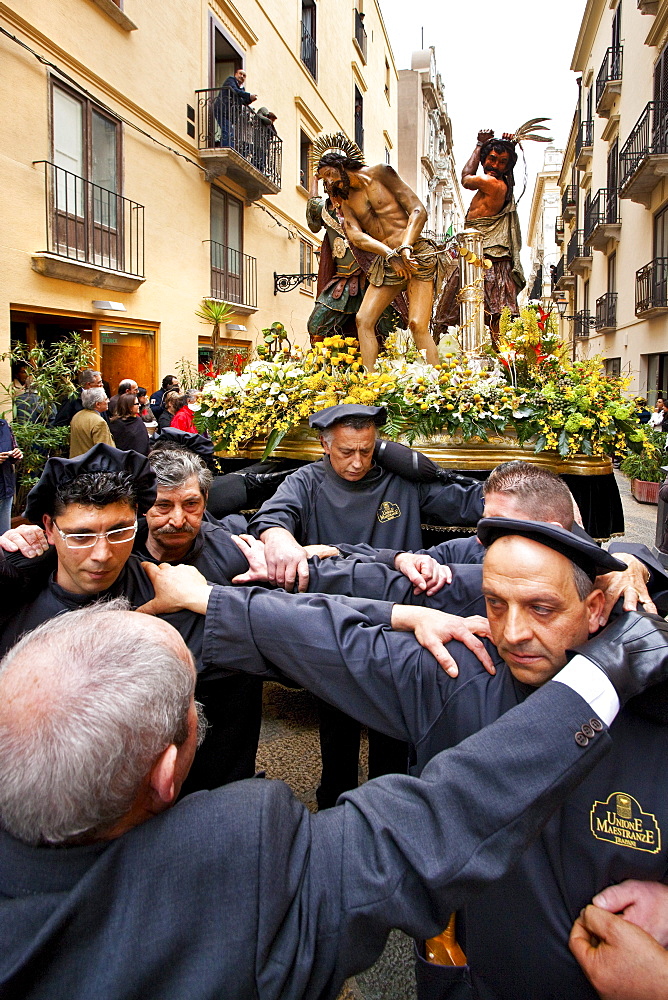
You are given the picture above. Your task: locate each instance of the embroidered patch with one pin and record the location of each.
(387, 512)
(620, 820)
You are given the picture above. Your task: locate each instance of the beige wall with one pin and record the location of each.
(634, 339)
(148, 77)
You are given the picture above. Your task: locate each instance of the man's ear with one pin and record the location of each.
(325, 446)
(48, 528)
(162, 779)
(595, 604)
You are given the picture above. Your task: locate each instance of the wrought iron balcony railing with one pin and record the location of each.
(649, 136)
(577, 247)
(602, 209)
(581, 324)
(569, 201)
(92, 225)
(360, 32)
(606, 311)
(610, 71)
(233, 276)
(652, 286)
(559, 271)
(309, 52)
(585, 137)
(226, 123)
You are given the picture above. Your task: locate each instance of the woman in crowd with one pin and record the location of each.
(127, 427)
(170, 402)
(187, 406)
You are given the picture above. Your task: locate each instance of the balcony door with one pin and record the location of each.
(227, 273)
(86, 205)
(660, 129)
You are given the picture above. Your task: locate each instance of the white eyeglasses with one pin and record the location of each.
(86, 540)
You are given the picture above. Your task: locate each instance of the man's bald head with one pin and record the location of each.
(88, 702)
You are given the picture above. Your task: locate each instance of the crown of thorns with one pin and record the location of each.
(336, 142)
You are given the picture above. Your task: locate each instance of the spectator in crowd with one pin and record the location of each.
(10, 454)
(265, 132)
(125, 386)
(642, 412)
(656, 417)
(127, 427)
(88, 426)
(21, 377)
(88, 379)
(186, 407)
(145, 411)
(168, 382)
(232, 97)
(169, 406)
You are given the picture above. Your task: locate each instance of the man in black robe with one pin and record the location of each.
(541, 601)
(348, 498)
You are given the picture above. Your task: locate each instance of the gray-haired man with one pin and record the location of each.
(88, 426)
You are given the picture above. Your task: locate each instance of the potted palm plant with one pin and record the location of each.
(645, 468)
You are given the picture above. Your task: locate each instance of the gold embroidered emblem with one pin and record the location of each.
(338, 248)
(620, 820)
(387, 512)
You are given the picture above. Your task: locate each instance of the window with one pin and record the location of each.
(227, 277)
(359, 119)
(387, 156)
(613, 367)
(661, 233)
(306, 264)
(309, 49)
(387, 79)
(612, 272)
(87, 206)
(304, 160)
(612, 206)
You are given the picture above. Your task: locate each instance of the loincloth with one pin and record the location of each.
(381, 272)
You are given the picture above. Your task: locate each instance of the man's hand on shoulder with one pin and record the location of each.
(253, 551)
(28, 539)
(286, 559)
(433, 628)
(631, 584)
(426, 575)
(177, 588)
(621, 961)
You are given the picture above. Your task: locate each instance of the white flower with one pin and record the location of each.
(282, 398)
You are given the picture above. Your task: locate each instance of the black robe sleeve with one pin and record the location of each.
(451, 503)
(287, 508)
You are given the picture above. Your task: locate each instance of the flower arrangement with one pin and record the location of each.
(527, 385)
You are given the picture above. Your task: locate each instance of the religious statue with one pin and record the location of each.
(382, 220)
(493, 213)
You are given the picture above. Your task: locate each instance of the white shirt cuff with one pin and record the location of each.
(589, 681)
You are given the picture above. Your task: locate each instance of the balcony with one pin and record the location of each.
(643, 160)
(94, 236)
(558, 229)
(584, 145)
(233, 277)
(581, 325)
(360, 33)
(562, 278)
(648, 6)
(569, 203)
(609, 81)
(652, 288)
(309, 52)
(606, 312)
(602, 219)
(578, 254)
(233, 142)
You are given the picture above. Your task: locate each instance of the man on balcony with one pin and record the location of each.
(233, 95)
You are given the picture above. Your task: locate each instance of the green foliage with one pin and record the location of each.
(52, 369)
(189, 376)
(647, 464)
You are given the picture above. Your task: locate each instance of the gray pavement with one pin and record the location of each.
(639, 518)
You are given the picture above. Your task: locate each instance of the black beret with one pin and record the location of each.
(100, 458)
(582, 551)
(324, 419)
(196, 443)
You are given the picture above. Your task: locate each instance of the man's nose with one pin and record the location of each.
(177, 517)
(101, 551)
(517, 627)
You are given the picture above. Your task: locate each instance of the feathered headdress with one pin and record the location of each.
(336, 142)
(527, 132)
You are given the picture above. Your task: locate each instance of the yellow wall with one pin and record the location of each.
(148, 76)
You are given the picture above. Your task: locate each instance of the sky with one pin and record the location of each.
(501, 64)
